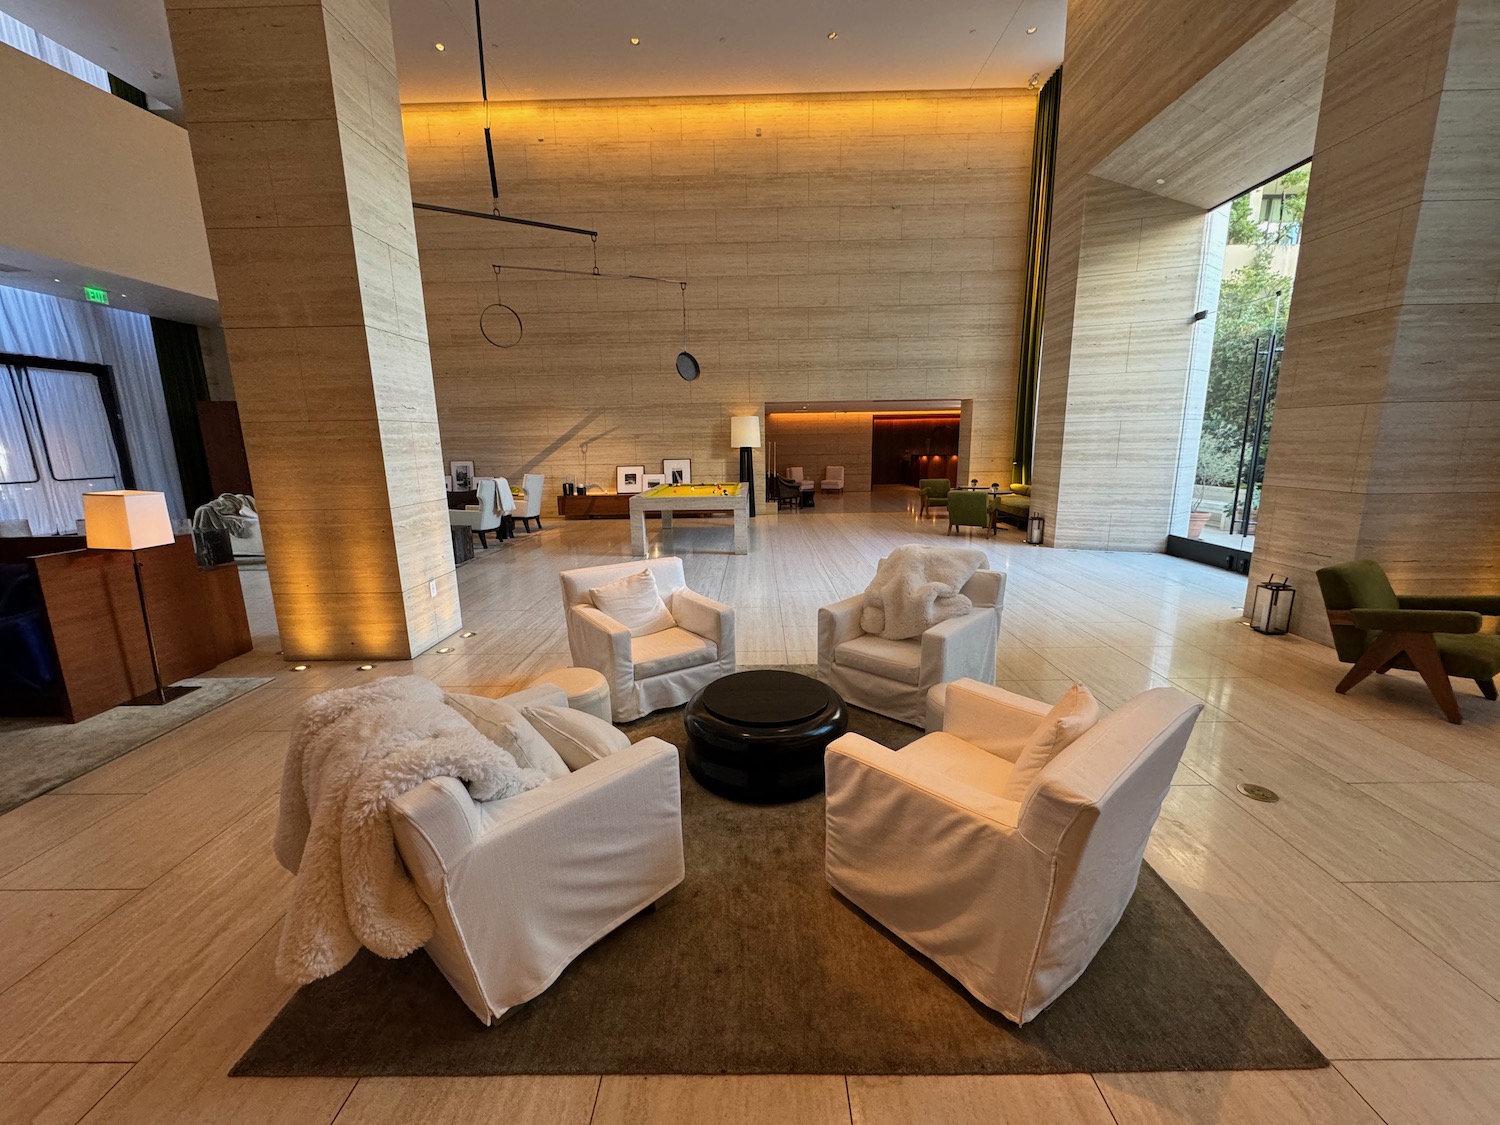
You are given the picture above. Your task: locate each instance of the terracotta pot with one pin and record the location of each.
(1197, 521)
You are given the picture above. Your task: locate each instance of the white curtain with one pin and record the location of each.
(39, 324)
(38, 46)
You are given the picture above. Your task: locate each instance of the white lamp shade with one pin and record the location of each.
(744, 430)
(126, 520)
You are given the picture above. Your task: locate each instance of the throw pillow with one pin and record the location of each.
(1069, 718)
(579, 737)
(635, 603)
(503, 725)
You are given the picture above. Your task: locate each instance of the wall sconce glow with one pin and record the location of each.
(438, 47)
(635, 41)
(833, 35)
(299, 667)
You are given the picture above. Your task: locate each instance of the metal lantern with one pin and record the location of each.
(1036, 528)
(1272, 610)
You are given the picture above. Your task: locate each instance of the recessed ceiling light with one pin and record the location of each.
(833, 35)
(1031, 31)
(58, 280)
(439, 47)
(1161, 181)
(635, 40)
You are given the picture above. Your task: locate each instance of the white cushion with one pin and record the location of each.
(659, 653)
(503, 725)
(578, 737)
(634, 602)
(1070, 717)
(960, 761)
(895, 660)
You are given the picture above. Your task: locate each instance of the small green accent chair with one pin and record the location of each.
(1439, 636)
(934, 493)
(968, 507)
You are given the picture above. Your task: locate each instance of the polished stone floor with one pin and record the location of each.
(139, 905)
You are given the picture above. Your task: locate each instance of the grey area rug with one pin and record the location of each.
(754, 966)
(40, 754)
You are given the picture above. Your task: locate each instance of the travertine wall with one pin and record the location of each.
(1127, 61)
(837, 247)
(1386, 443)
(296, 135)
(818, 439)
(1143, 271)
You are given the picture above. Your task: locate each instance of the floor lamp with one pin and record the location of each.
(127, 520)
(744, 431)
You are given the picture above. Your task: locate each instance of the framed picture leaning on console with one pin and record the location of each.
(628, 478)
(653, 480)
(677, 470)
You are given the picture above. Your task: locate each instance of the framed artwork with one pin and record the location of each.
(628, 478)
(655, 480)
(677, 470)
(463, 475)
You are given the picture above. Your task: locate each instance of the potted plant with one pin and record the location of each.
(1197, 517)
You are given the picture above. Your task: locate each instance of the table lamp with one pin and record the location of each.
(744, 432)
(128, 520)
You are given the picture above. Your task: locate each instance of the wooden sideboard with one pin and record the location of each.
(98, 633)
(594, 506)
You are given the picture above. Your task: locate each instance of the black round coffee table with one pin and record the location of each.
(760, 735)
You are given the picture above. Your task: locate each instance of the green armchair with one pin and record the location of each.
(934, 493)
(1376, 630)
(968, 507)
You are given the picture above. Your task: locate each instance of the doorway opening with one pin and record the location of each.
(875, 444)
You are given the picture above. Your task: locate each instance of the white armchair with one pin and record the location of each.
(495, 503)
(1012, 897)
(530, 507)
(804, 483)
(661, 669)
(894, 677)
(834, 482)
(522, 886)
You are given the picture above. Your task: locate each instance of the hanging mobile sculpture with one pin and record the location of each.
(495, 319)
(500, 317)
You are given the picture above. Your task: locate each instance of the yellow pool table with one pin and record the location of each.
(726, 489)
(668, 498)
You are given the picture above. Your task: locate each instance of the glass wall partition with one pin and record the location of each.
(1255, 298)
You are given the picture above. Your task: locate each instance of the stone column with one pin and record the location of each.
(1386, 440)
(1146, 264)
(295, 125)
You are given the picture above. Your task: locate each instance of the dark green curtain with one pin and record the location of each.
(1043, 169)
(184, 382)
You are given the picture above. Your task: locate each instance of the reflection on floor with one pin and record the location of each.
(139, 911)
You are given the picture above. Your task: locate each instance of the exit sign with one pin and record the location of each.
(98, 296)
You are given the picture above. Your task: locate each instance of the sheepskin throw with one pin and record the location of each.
(352, 752)
(917, 587)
